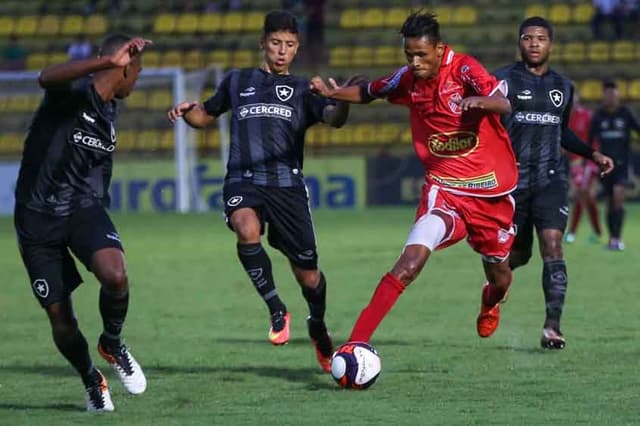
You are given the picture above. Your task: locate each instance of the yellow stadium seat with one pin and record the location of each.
(219, 57)
(37, 61)
(444, 14)
(536, 9)
(193, 59)
(396, 16)
(233, 22)
(253, 21)
(95, 25)
(72, 25)
(342, 136)
(6, 25)
(591, 90)
(167, 139)
(599, 51)
(633, 90)
(160, 99)
(18, 103)
(210, 23)
(164, 23)
(11, 143)
(574, 52)
(48, 25)
(146, 140)
(362, 56)
(137, 100)
(582, 13)
(126, 140)
(243, 58)
(560, 14)
(26, 26)
(364, 134)
(350, 18)
(212, 138)
(372, 18)
(623, 88)
(151, 59)
(464, 15)
(187, 23)
(623, 51)
(385, 56)
(172, 58)
(57, 58)
(389, 132)
(340, 56)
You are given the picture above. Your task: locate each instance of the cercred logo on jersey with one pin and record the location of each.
(284, 92)
(91, 141)
(556, 97)
(283, 112)
(452, 144)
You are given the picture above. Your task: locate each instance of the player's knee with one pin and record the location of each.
(408, 270)
(114, 280)
(308, 278)
(519, 258)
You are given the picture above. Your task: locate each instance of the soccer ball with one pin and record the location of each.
(355, 365)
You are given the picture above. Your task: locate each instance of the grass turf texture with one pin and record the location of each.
(200, 332)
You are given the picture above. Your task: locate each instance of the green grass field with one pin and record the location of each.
(199, 330)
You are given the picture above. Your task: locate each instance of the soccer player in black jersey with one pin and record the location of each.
(270, 112)
(611, 126)
(61, 197)
(538, 126)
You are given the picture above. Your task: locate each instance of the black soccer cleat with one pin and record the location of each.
(552, 339)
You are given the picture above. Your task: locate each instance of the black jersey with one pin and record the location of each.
(270, 114)
(541, 106)
(613, 131)
(67, 155)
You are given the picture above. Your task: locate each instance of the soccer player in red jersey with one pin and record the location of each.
(455, 107)
(584, 175)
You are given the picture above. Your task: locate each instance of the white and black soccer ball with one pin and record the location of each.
(355, 365)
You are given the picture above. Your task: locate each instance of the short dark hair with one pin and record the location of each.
(609, 84)
(421, 24)
(536, 21)
(112, 42)
(279, 20)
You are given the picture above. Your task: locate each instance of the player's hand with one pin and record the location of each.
(355, 80)
(472, 102)
(605, 163)
(180, 110)
(129, 51)
(318, 86)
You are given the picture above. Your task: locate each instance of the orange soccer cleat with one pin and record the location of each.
(489, 316)
(321, 341)
(279, 331)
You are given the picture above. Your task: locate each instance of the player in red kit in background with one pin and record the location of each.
(455, 107)
(584, 175)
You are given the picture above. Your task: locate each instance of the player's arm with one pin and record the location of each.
(352, 93)
(572, 143)
(55, 75)
(336, 115)
(193, 113)
(496, 102)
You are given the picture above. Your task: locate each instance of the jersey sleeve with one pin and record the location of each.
(633, 120)
(220, 102)
(395, 87)
(79, 89)
(314, 107)
(474, 75)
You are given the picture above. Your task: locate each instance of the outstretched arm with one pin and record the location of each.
(497, 103)
(336, 115)
(68, 71)
(348, 93)
(193, 114)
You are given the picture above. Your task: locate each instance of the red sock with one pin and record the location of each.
(593, 216)
(575, 217)
(383, 299)
(492, 294)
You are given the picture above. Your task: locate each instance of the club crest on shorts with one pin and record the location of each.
(41, 288)
(556, 97)
(284, 92)
(234, 201)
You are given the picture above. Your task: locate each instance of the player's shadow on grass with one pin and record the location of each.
(58, 407)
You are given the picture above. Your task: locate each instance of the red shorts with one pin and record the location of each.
(487, 223)
(584, 174)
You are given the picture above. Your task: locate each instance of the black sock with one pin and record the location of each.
(316, 299)
(258, 266)
(113, 309)
(554, 284)
(611, 223)
(617, 220)
(73, 346)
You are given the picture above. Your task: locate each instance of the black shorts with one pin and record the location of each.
(46, 243)
(618, 177)
(287, 213)
(546, 208)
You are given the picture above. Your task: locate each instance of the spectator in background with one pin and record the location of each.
(14, 56)
(80, 48)
(608, 10)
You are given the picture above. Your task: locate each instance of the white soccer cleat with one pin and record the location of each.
(126, 367)
(97, 395)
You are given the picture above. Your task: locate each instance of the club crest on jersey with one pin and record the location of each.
(41, 288)
(284, 92)
(556, 97)
(234, 201)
